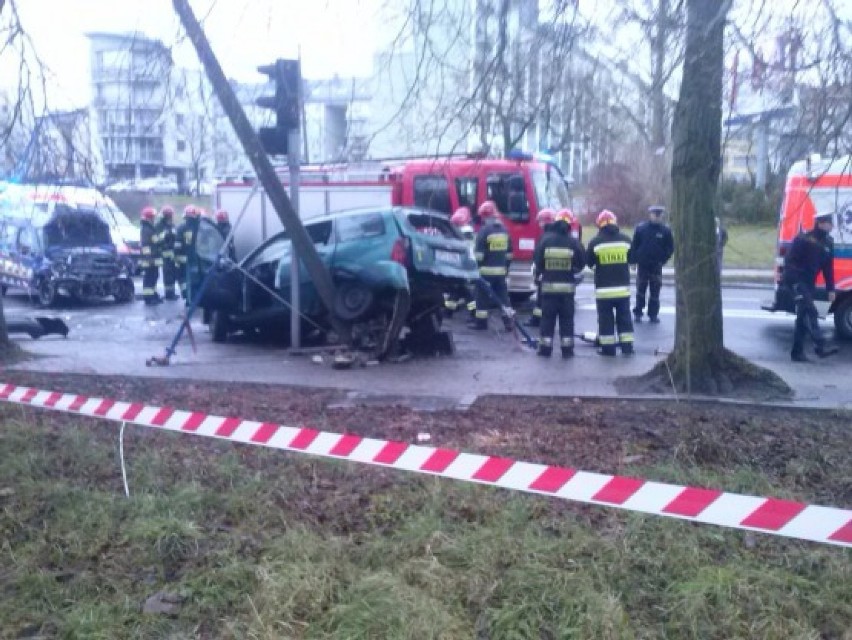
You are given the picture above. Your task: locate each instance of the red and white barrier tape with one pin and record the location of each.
(788, 518)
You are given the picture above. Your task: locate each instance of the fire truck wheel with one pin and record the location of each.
(47, 293)
(353, 301)
(843, 319)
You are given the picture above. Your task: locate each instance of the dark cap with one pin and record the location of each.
(657, 209)
(824, 217)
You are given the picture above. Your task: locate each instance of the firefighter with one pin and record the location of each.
(461, 219)
(223, 224)
(809, 254)
(150, 256)
(559, 256)
(607, 256)
(186, 259)
(544, 219)
(166, 240)
(493, 250)
(652, 247)
(576, 227)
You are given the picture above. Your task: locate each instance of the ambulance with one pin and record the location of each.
(520, 184)
(818, 185)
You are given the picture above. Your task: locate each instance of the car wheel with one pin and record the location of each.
(124, 291)
(219, 326)
(843, 319)
(47, 294)
(353, 301)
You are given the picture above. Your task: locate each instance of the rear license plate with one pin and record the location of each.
(448, 256)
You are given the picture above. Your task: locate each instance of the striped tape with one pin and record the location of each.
(788, 518)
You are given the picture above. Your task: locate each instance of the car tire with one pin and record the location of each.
(353, 301)
(843, 319)
(219, 326)
(47, 294)
(124, 291)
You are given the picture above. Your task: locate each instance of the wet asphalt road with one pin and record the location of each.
(106, 338)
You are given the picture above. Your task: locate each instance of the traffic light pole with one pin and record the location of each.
(293, 160)
(265, 173)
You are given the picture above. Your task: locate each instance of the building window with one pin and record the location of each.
(179, 120)
(181, 145)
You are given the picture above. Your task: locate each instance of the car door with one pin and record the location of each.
(320, 233)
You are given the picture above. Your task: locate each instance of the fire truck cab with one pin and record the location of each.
(814, 186)
(519, 185)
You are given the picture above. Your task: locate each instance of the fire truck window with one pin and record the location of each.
(466, 189)
(508, 191)
(432, 192)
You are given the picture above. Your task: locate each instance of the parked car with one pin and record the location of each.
(391, 268)
(55, 246)
(166, 185)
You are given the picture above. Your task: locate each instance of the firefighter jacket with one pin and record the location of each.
(150, 247)
(224, 229)
(185, 242)
(559, 256)
(493, 249)
(607, 255)
(809, 254)
(652, 246)
(166, 238)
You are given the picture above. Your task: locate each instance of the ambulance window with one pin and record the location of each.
(27, 241)
(466, 189)
(432, 192)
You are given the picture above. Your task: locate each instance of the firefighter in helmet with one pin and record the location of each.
(558, 258)
(544, 219)
(493, 251)
(456, 300)
(223, 224)
(186, 259)
(607, 256)
(166, 238)
(150, 256)
(576, 227)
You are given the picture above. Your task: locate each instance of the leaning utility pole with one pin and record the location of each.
(304, 248)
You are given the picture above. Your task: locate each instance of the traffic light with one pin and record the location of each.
(287, 78)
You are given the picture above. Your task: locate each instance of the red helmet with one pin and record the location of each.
(545, 216)
(566, 215)
(148, 213)
(221, 216)
(167, 211)
(487, 209)
(461, 217)
(189, 211)
(606, 217)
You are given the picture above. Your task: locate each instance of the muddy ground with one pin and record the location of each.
(806, 452)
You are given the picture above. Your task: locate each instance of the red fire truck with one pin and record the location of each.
(520, 185)
(816, 186)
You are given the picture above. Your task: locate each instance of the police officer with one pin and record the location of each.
(544, 219)
(150, 256)
(607, 255)
(810, 254)
(166, 238)
(186, 259)
(493, 251)
(652, 247)
(558, 258)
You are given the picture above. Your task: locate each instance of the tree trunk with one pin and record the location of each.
(658, 80)
(696, 133)
(5, 343)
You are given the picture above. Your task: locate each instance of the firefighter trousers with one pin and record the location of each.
(557, 306)
(648, 278)
(150, 275)
(169, 277)
(807, 320)
(615, 326)
(498, 297)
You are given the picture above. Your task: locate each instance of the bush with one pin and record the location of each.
(741, 202)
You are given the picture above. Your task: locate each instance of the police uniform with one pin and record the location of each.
(493, 250)
(607, 255)
(809, 254)
(558, 258)
(652, 247)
